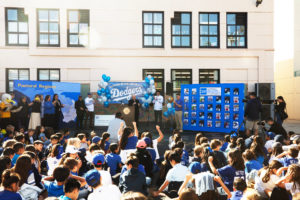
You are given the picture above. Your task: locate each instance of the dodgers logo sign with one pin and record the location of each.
(121, 92)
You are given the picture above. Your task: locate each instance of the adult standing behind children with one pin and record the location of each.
(80, 110)
(35, 117)
(114, 126)
(58, 113)
(178, 111)
(253, 108)
(89, 103)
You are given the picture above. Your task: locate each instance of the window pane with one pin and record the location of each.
(43, 15)
(241, 41)
(185, 30)
(23, 27)
(157, 41)
(12, 26)
(157, 29)
(213, 18)
(204, 30)
(147, 17)
(176, 41)
(23, 38)
(23, 74)
(43, 27)
(231, 30)
(53, 15)
(73, 39)
(83, 28)
(231, 41)
(43, 38)
(203, 18)
(43, 75)
(230, 18)
(148, 29)
(185, 18)
(73, 16)
(53, 39)
(54, 75)
(13, 74)
(148, 41)
(213, 41)
(12, 14)
(158, 18)
(53, 27)
(213, 30)
(240, 30)
(176, 29)
(185, 41)
(13, 38)
(203, 41)
(11, 86)
(73, 28)
(83, 40)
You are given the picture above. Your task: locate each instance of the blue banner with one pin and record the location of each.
(121, 92)
(67, 92)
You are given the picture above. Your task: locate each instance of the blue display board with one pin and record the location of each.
(213, 107)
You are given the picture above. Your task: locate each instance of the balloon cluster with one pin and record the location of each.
(171, 110)
(104, 91)
(149, 91)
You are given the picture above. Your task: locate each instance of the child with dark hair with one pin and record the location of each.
(52, 160)
(257, 147)
(129, 138)
(144, 157)
(29, 137)
(185, 154)
(225, 144)
(219, 159)
(289, 157)
(197, 138)
(83, 141)
(291, 181)
(172, 137)
(5, 163)
(240, 144)
(99, 162)
(250, 162)
(71, 189)
(9, 152)
(54, 139)
(113, 160)
(239, 186)
(104, 144)
(10, 182)
(19, 150)
(73, 165)
(20, 137)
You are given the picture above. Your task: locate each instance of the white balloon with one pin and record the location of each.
(153, 91)
(151, 82)
(149, 90)
(149, 76)
(149, 100)
(169, 105)
(104, 98)
(105, 84)
(144, 92)
(100, 100)
(143, 99)
(100, 85)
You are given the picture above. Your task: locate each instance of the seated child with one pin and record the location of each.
(250, 162)
(289, 157)
(239, 186)
(113, 160)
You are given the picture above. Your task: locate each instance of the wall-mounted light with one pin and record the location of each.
(258, 2)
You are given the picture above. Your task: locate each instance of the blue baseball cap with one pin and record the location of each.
(98, 159)
(92, 177)
(195, 167)
(147, 140)
(96, 139)
(271, 135)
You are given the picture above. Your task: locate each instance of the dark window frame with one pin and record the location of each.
(49, 69)
(190, 35)
(49, 33)
(68, 28)
(7, 80)
(218, 82)
(162, 33)
(236, 36)
(218, 25)
(6, 27)
(181, 70)
(157, 70)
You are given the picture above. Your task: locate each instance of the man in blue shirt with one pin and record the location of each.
(178, 103)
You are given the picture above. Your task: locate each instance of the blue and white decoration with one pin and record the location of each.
(170, 107)
(149, 91)
(103, 92)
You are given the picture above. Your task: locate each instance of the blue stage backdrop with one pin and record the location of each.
(213, 107)
(68, 93)
(121, 92)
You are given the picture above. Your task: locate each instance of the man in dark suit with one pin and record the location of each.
(80, 110)
(136, 103)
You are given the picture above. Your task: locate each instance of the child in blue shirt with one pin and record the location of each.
(19, 150)
(250, 162)
(113, 160)
(239, 186)
(289, 157)
(104, 144)
(10, 182)
(225, 144)
(71, 189)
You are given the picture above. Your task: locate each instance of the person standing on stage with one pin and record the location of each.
(49, 110)
(136, 103)
(178, 104)
(80, 110)
(158, 106)
(58, 113)
(89, 103)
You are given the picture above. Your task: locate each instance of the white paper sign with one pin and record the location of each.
(210, 91)
(103, 120)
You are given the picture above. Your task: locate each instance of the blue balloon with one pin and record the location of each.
(145, 85)
(99, 92)
(107, 79)
(107, 90)
(146, 96)
(146, 105)
(104, 77)
(166, 114)
(102, 90)
(106, 104)
(147, 80)
(108, 96)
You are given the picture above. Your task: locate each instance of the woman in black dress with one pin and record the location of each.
(280, 112)
(23, 114)
(58, 113)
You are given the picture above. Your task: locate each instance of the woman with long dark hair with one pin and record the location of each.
(49, 111)
(23, 114)
(280, 110)
(58, 113)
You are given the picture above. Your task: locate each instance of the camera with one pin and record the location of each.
(261, 123)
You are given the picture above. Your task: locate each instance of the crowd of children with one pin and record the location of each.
(41, 164)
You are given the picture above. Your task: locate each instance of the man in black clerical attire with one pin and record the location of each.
(80, 110)
(136, 103)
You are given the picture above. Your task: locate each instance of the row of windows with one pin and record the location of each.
(181, 30)
(48, 29)
(178, 76)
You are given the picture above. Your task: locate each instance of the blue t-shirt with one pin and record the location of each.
(260, 159)
(106, 146)
(113, 160)
(180, 103)
(224, 146)
(64, 198)
(252, 164)
(185, 158)
(53, 189)
(229, 173)
(131, 142)
(42, 136)
(14, 159)
(287, 161)
(141, 168)
(237, 195)
(152, 153)
(8, 195)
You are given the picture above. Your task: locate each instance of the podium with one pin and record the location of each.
(127, 113)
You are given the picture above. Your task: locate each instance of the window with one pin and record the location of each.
(180, 76)
(208, 76)
(209, 30)
(48, 75)
(15, 74)
(16, 27)
(236, 30)
(78, 28)
(181, 30)
(158, 75)
(153, 29)
(48, 27)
